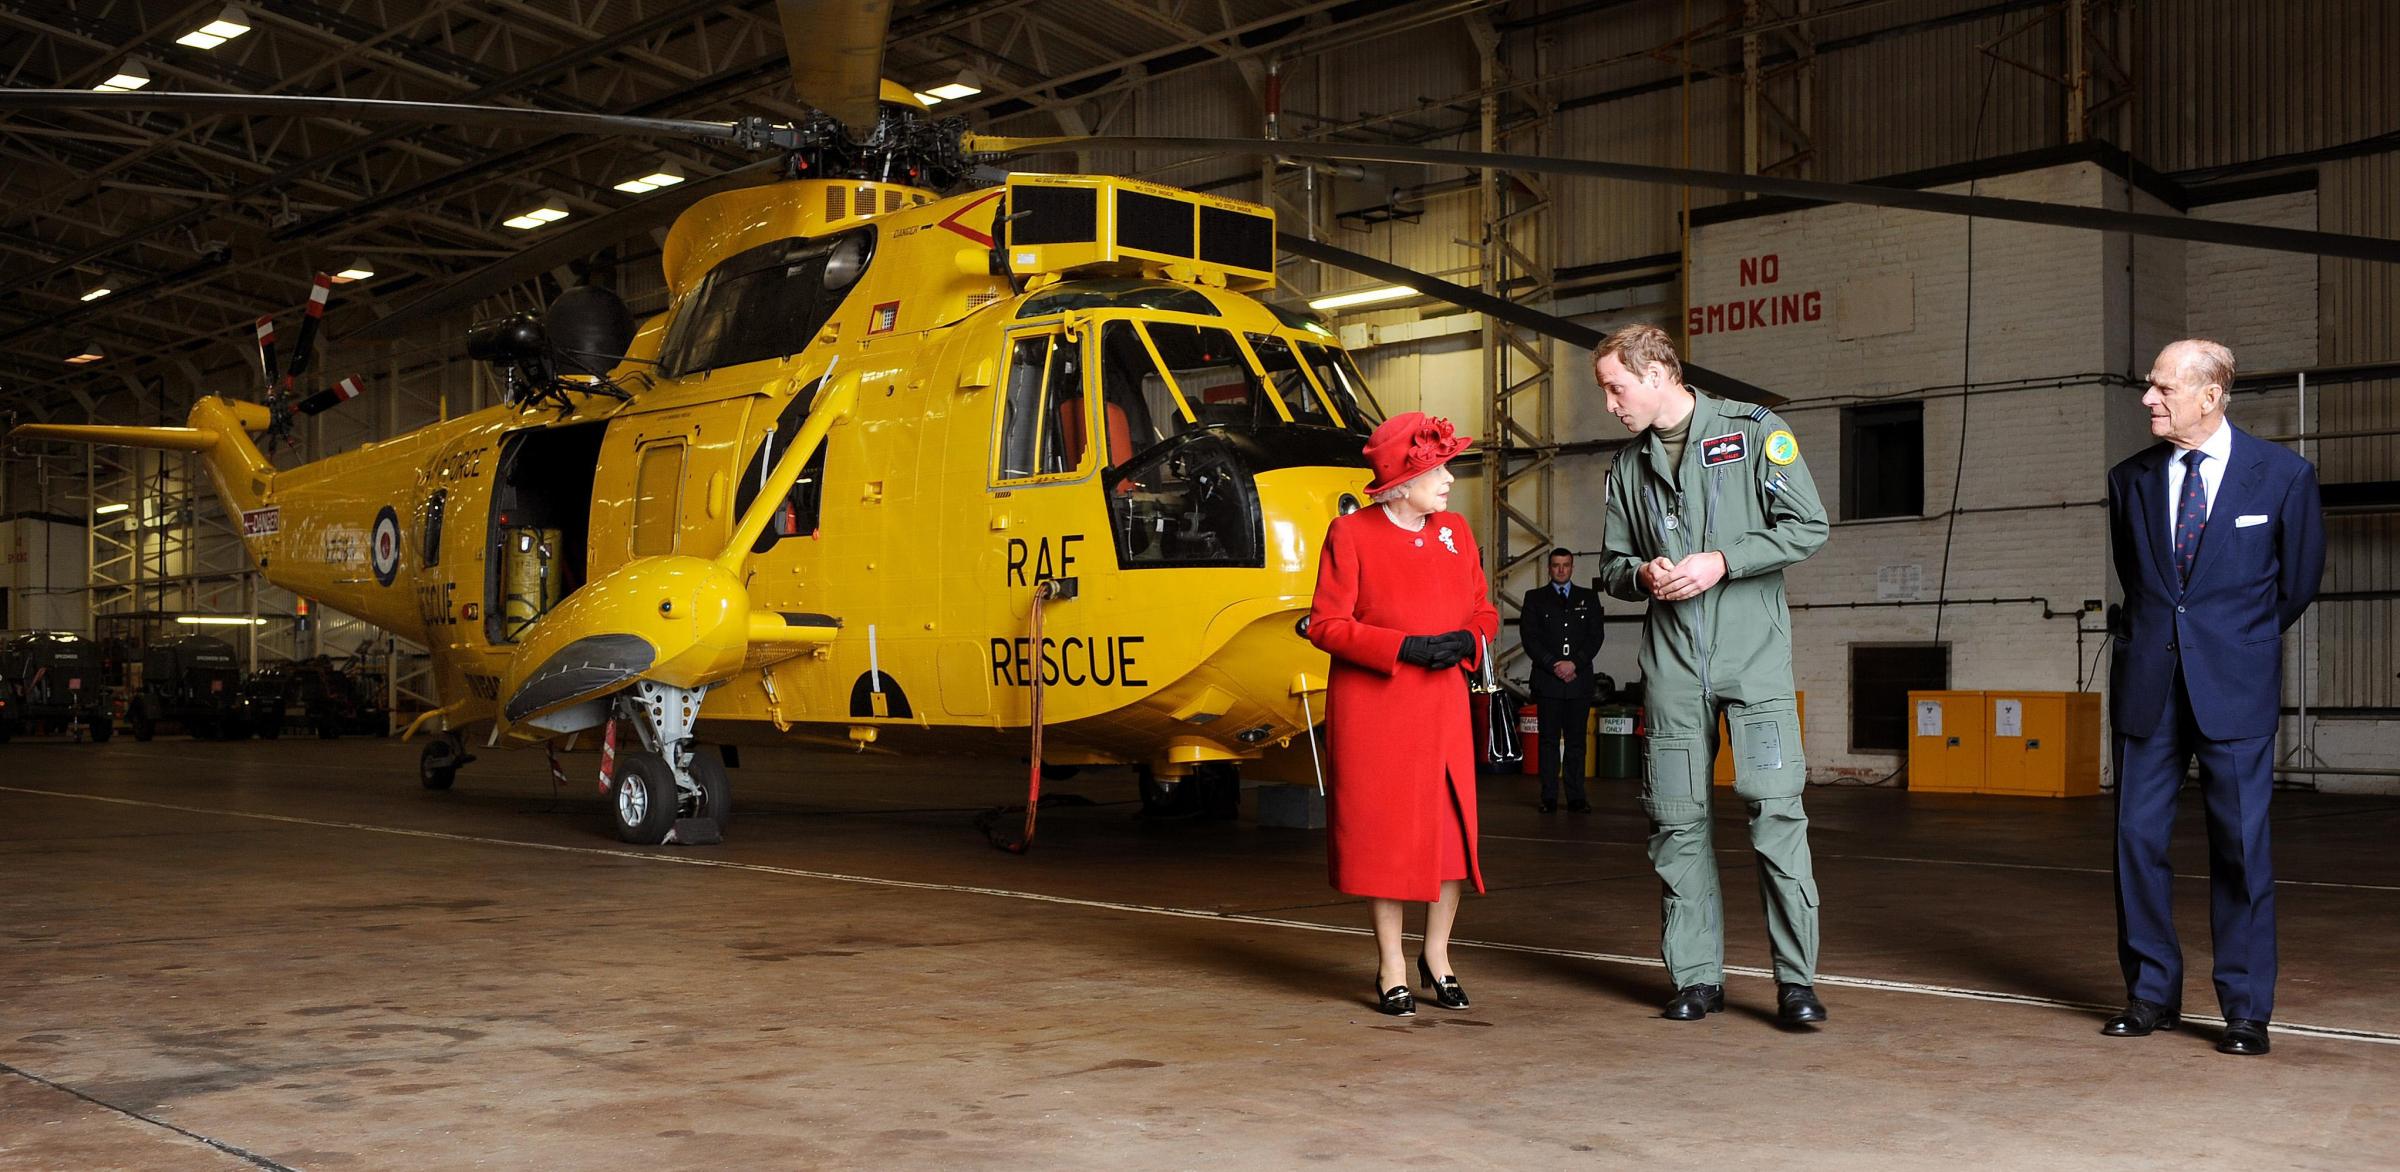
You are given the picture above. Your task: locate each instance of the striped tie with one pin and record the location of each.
(2191, 517)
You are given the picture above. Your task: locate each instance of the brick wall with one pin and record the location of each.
(2062, 320)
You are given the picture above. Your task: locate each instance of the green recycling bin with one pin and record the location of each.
(1615, 750)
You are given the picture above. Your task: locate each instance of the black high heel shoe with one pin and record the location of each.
(1445, 990)
(1396, 1001)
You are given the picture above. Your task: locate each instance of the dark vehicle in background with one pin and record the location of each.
(315, 693)
(50, 682)
(193, 681)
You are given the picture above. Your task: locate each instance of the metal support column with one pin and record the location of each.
(1779, 102)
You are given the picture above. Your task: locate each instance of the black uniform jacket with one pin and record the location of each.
(1553, 629)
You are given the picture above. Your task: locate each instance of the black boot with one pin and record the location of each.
(1693, 1002)
(1798, 1005)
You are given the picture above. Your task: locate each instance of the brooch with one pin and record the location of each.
(1445, 536)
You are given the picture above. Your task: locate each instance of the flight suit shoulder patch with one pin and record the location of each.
(1782, 448)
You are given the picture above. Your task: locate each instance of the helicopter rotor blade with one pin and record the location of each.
(375, 110)
(332, 397)
(836, 47)
(571, 244)
(1548, 325)
(311, 319)
(2372, 248)
(264, 331)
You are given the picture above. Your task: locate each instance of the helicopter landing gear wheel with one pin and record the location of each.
(699, 789)
(1212, 791)
(713, 797)
(439, 764)
(645, 798)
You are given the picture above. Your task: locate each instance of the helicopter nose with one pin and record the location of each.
(679, 620)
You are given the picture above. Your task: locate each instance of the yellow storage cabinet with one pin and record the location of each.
(1946, 742)
(2042, 744)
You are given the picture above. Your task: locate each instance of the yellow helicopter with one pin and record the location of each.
(1027, 469)
(831, 481)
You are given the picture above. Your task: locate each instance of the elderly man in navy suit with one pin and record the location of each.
(2218, 540)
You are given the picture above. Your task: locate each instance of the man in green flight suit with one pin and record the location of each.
(1705, 510)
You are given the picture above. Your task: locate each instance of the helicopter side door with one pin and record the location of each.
(1044, 522)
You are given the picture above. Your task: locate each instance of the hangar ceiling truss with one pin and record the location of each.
(202, 224)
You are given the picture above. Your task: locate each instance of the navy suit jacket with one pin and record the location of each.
(2224, 627)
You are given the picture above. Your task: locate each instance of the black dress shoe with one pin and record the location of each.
(1445, 990)
(1693, 1002)
(1397, 1002)
(1579, 806)
(2141, 1017)
(1548, 807)
(1798, 1005)
(2243, 1036)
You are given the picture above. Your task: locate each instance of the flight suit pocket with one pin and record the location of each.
(1675, 784)
(1766, 750)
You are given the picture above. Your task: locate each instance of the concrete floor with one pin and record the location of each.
(287, 955)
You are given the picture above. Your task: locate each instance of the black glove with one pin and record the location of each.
(1423, 650)
(1435, 652)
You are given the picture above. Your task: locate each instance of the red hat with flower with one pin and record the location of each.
(1409, 445)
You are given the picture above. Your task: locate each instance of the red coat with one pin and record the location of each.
(1400, 736)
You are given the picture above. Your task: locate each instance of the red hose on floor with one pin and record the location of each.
(1043, 592)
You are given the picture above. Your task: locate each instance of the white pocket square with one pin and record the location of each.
(2246, 520)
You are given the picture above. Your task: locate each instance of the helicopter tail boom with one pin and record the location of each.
(219, 429)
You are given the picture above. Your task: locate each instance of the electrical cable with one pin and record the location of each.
(1966, 378)
(1966, 363)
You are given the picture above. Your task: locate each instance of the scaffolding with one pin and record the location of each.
(1517, 262)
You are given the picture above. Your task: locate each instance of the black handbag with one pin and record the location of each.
(1500, 743)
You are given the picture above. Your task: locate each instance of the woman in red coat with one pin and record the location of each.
(1401, 602)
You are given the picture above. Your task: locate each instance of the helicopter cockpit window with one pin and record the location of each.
(766, 302)
(1215, 378)
(1142, 407)
(1299, 394)
(1121, 293)
(1042, 424)
(1343, 384)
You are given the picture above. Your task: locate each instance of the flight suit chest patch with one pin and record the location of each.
(1731, 448)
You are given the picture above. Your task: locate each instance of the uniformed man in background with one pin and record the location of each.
(1705, 510)
(1559, 625)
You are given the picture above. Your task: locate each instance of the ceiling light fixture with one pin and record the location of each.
(105, 510)
(1362, 297)
(359, 270)
(130, 76)
(552, 210)
(86, 354)
(667, 175)
(966, 86)
(106, 285)
(219, 620)
(229, 24)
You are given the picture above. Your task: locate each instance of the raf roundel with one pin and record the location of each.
(1782, 448)
(383, 546)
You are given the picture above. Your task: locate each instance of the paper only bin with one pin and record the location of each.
(1612, 745)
